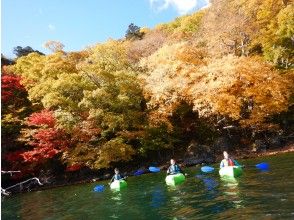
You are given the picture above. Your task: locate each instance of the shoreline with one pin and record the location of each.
(286, 149)
(237, 154)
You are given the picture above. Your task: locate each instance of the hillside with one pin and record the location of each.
(222, 73)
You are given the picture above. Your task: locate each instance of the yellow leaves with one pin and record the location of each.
(184, 26)
(114, 151)
(268, 9)
(30, 67)
(243, 78)
(107, 57)
(286, 21)
(192, 55)
(214, 87)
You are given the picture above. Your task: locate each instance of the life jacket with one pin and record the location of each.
(228, 162)
(174, 169)
(231, 162)
(117, 177)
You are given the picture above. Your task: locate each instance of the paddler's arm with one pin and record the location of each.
(221, 164)
(181, 171)
(168, 170)
(111, 180)
(124, 177)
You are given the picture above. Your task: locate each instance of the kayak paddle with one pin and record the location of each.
(154, 169)
(261, 166)
(207, 169)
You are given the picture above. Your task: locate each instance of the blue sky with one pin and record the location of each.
(79, 23)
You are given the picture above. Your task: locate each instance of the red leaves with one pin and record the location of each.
(47, 142)
(44, 117)
(11, 88)
(74, 167)
(39, 154)
(14, 156)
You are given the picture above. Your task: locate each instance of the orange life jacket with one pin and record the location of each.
(231, 162)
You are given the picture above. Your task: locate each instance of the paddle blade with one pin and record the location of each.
(262, 166)
(154, 169)
(207, 169)
(99, 188)
(138, 172)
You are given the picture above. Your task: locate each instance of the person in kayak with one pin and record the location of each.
(174, 168)
(227, 161)
(117, 176)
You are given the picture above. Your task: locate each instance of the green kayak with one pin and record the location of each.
(231, 171)
(175, 179)
(118, 184)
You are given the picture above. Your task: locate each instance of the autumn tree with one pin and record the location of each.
(98, 88)
(42, 76)
(183, 27)
(14, 107)
(54, 46)
(278, 39)
(43, 139)
(211, 85)
(113, 105)
(249, 27)
(229, 65)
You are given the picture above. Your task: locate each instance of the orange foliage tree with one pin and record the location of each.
(243, 89)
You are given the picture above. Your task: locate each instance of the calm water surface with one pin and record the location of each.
(255, 195)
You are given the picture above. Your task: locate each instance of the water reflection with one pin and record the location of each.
(209, 182)
(157, 197)
(231, 191)
(37, 205)
(116, 196)
(254, 195)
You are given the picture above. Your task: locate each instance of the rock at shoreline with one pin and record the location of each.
(197, 154)
(222, 144)
(195, 160)
(276, 142)
(259, 146)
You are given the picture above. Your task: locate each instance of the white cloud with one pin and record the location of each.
(51, 27)
(182, 6)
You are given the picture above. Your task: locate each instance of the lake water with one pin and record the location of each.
(254, 195)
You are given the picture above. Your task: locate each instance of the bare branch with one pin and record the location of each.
(10, 172)
(228, 127)
(34, 178)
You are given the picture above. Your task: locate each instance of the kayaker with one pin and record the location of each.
(227, 161)
(117, 176)
(174, 168)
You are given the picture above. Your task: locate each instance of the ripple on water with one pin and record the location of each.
(255, 195)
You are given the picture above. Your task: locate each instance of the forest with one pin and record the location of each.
(224, 72)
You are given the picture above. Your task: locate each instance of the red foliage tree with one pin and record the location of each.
(44, 117)
(15, 108)
(73, 168)
(47, 140)
(11, 89)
